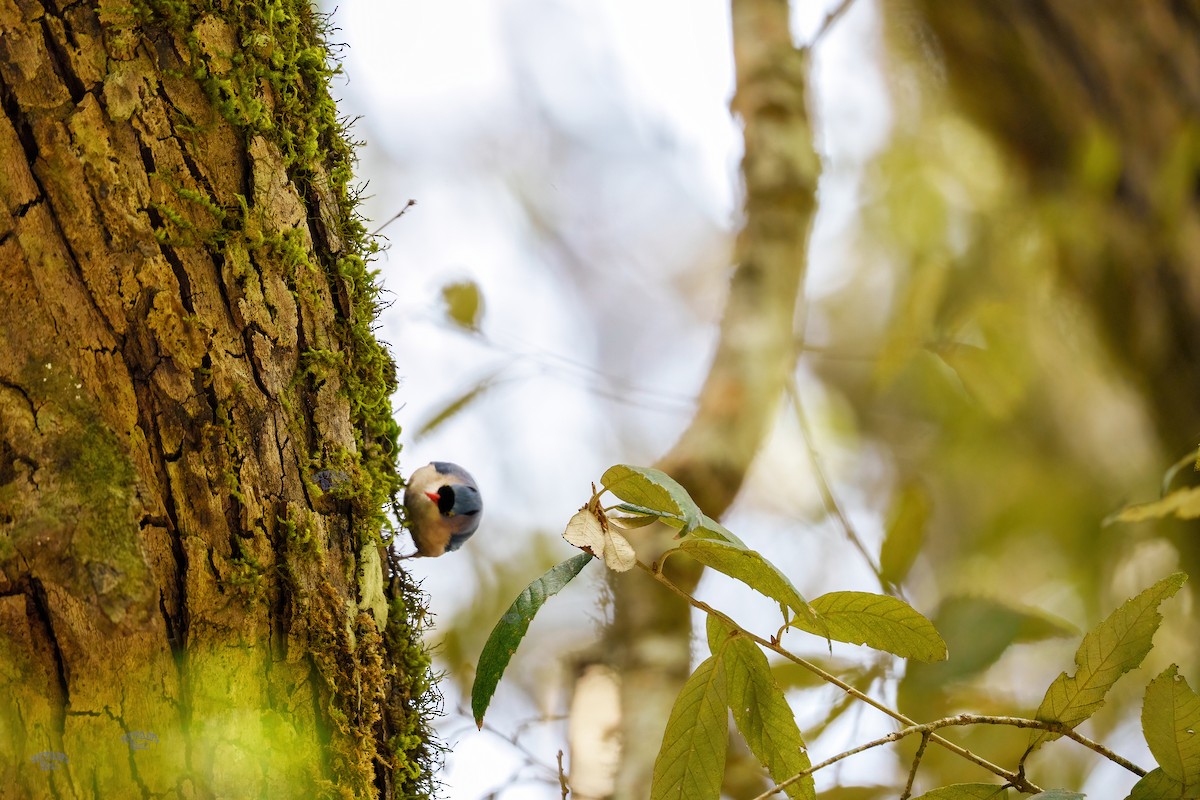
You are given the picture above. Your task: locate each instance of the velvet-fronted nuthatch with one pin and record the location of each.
(444, 507)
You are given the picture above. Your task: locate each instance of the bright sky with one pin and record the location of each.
(578, 161)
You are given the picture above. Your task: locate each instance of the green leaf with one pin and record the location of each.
(967, 791)
(464, 304)
(760, 709)
(878, 621)
(691, 761)
(1108, 651)
(905, 534)
(653, 489)
(1170, 721)
(749, 567)
(709, 527)
(455, 406)
(511, 628)
(1181, 503)
(1157, 785)
(1057, 794)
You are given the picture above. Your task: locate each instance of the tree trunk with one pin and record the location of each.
(196, 441)
(1100, 102)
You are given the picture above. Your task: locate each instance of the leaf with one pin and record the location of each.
(464, 304)
(691, 761)
(878, 621)
(709, 527)
(455, 406)
(1181, 503)
(1170, 721)
(1157, 785)
(761, 711)
(588, 532)
(1057, 794)
(978, 631)
(510, 630)
(630, 523)
(905, 534)
(749, 567)
(652, 489)
(1108, 651)
(967, 791)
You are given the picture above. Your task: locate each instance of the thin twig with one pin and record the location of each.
(562, 777)
(830, 18)
(397, 216)
(832, 506)
(926, 732)
(1016, 779)
(912, 772)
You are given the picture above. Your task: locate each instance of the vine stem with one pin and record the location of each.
(1016, 779)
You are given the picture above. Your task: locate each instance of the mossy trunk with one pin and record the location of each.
(196, 441)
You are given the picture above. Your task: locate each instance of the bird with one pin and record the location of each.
(443, 507)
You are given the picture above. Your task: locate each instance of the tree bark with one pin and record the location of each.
(196, 440)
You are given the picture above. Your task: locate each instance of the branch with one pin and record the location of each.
(926, 732)
(830, 19)
(912, 772)
(1016, 779)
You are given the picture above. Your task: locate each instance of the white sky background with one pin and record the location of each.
(579, 162)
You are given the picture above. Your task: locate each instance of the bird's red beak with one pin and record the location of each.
(433, 496)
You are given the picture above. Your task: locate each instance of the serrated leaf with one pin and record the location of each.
(1157, 785)
(905, 534)
(691, 761)
(464, 304)
(652, 489)
(749, 567)
(510, 630)
(878, 621)
(1108, 651)
(1181, 503)
(1170, 721)
(967, 791)
(761, 711)
(588, 533)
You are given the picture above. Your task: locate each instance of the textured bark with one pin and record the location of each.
(753, 363)
(180, 609)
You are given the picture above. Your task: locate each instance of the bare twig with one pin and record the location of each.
(832, 506)
(926, 732)
(562, 777)
(912, 772)
(830, 19)
(397, 216)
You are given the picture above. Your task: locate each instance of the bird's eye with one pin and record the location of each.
(446, 499)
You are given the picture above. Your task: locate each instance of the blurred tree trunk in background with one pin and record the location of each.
(1099, 105)
(755, 357)
(1037, 216)
(196, 438)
